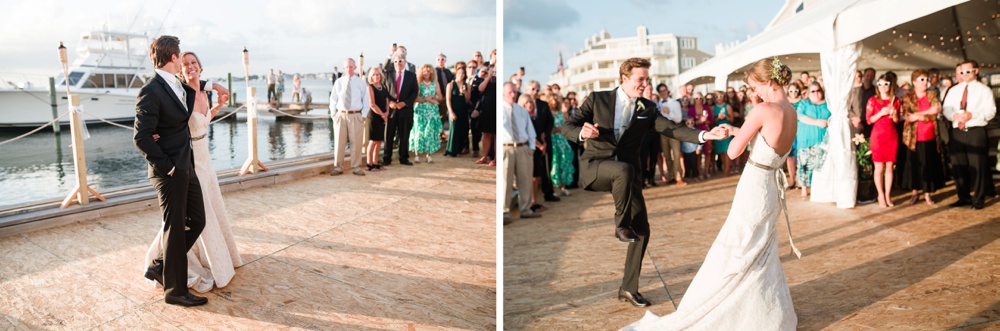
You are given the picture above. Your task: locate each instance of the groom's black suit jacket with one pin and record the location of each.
(600, 109)
(159, 111)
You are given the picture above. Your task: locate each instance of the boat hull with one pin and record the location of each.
(32, 108)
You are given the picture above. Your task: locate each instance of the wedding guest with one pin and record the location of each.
(573, 108)
(813, 115)
(487, 114)
(279, 88)
(882, 113)
(518, 139)
(923, 168)
(722, 115)
(389, 66)
(471, 71)
(425, 137)
(459, 95)
(444, 77)
(703, 122)
(544, 123)
(690, 151)
(402, 87)
(865, 92)
(540, 169)
(296, 86)
(970, 105)
(378, 117)
(270, 80)
(349, 105)
(671, 109)
(562, 171)
(794, 97)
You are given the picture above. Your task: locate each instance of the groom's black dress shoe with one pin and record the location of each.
(635, 299)
(187, 300)
(155, 272)
(625, 234)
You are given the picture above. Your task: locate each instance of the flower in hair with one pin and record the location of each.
(776, 71)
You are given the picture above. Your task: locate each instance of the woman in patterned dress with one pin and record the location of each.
(425, 137)
(562, 155)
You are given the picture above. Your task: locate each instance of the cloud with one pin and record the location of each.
(456, 8)
(537, 17)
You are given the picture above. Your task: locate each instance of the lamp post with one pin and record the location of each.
(81, 192)
(253, 164)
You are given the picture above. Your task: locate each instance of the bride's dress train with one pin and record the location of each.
(741, 285)
(214, 257)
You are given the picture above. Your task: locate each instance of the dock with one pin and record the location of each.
(408, 248)
(909, 267)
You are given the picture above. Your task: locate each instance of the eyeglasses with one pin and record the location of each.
(398, 61)
(965, 72)
(793, 91)
(534, 89)
(922, 79)
(882, 83)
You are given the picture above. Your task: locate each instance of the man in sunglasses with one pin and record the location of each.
(402, 87)
(401, 51)
(970, 106)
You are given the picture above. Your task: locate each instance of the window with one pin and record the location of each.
(74, 77)
(687, 43)
(704, 59)
(800, 7)
(121, 80)
(687, 62)
(136, 82)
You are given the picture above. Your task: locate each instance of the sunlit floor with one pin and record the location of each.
(403, 249)
(916, 267)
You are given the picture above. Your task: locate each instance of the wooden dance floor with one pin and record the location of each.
(908, 267)
(404, 249)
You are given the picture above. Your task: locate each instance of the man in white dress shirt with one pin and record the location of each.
(518, 140)
(671, 109)
(969, 106)
(349, 105)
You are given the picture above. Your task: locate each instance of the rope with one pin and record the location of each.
(106, 121)
(311, 117)
(35, 130)
(227, 115)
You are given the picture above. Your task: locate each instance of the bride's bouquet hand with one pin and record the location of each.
(730, 130)
(716, 134)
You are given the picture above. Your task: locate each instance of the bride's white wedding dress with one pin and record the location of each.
(213, 258)
(741, 285)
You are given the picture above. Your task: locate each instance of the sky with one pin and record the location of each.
(535, 31)
(307, 36)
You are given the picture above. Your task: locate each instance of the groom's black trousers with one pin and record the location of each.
(625, 185)
(184, 219)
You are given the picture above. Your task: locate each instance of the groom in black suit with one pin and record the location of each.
(163, 107)
(402, 86)
(612, 124)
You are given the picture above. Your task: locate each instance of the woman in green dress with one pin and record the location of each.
(459, 96)
(425, 136)
(723, 115)
(562, 154)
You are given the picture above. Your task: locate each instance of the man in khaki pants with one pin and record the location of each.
(518, 140)
(349, 105)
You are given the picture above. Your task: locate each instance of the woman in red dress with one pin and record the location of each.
(882, 112)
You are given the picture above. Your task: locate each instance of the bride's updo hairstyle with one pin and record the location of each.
(766, 70)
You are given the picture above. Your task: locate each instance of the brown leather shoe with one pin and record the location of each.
(625, 234)
(635, 299)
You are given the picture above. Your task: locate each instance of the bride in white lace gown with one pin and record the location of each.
(213, 258)
(741, 285)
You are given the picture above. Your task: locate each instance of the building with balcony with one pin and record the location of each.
(595, 67)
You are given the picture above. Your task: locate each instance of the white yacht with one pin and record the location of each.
(107, 73)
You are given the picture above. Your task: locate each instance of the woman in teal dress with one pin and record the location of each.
(813, 115)
(425, 136)
(723, 115)
(562, 155)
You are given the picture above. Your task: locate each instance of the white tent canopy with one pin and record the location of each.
(845, 35)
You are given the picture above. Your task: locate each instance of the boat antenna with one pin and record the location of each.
(171, 8)
(136, 17)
